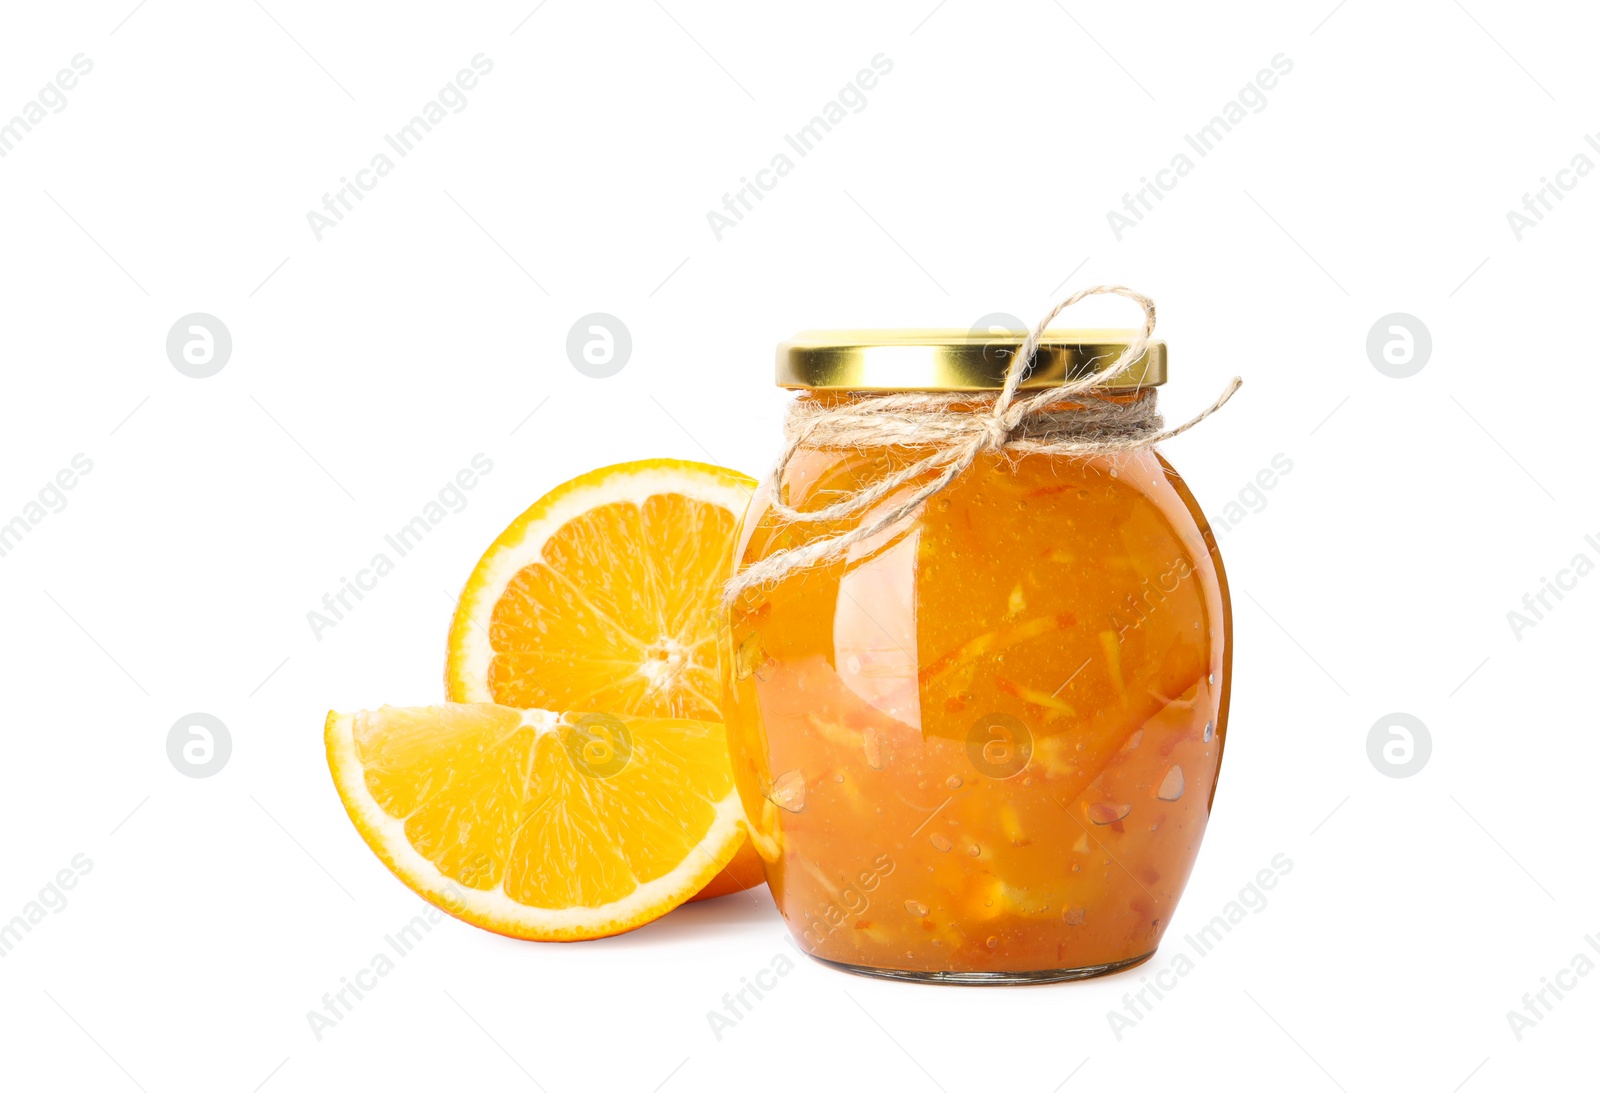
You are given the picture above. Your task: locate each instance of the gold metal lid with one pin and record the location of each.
(956, 360)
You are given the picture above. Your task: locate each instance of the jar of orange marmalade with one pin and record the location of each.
(980, 747)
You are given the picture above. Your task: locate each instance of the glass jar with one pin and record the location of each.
(982, 746)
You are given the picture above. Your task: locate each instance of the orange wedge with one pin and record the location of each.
(553, 827)
(605, 596)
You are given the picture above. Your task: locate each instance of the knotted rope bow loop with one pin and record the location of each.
(1094, 423)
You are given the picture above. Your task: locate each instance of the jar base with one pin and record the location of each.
(990, 979)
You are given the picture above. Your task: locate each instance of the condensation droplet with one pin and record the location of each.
(918, 909)
(853, 664)
(941, 842)
(1073, 916)
(838, 777)
(993, 942)
(1108, 812)
(1172, 785)
(1211, 730)
(974, 850)
(1211, 678)
(953, 782)
(789, 791)
(876, 747)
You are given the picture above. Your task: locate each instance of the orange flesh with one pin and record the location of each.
(595, 629)
(877, 709)
(494, 803)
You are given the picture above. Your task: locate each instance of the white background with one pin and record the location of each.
(369, 367)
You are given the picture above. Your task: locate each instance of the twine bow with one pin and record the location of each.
(1095, 425)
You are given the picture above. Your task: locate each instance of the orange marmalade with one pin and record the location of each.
(982, 747)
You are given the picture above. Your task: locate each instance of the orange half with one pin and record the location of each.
(540, 825)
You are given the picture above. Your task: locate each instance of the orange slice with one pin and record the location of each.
(554, 827)
(605, 595)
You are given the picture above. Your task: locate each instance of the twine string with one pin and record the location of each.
(1096, 424)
